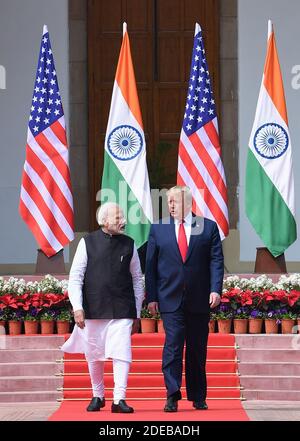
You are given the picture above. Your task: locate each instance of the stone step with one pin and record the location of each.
(30, 355)
(30, 383)
(30, 396)
(31, 342)
(30, 369)
(263, 341)
(265, 382)
(147, 367)
(272, 395)
(268, 355)
(266, 368)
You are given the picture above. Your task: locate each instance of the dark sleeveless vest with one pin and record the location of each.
(107, 287)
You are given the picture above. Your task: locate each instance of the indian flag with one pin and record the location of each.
(270, 204)
(125, 175)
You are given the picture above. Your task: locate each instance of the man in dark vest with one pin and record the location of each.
(184, 278)
(106, 293)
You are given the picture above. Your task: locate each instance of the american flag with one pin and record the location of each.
(199, 159)
(46, 202)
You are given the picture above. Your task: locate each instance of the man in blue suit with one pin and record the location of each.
(184, 278)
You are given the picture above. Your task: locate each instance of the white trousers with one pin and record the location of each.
(120, 369)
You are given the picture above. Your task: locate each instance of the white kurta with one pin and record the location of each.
(101, 339)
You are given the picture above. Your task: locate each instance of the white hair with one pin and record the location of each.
(184, 190)
(103, 210)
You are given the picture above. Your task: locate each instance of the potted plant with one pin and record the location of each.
(224, 316)
(240, 320)
(288, 320)
(272, 321)
(63, 319)
(147, 321)
(255, 321)
(15, 320)
(47, 318)
(31, 321)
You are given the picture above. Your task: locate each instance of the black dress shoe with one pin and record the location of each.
(96, 404)
(171, 405)
(122, 407)
(200, 405)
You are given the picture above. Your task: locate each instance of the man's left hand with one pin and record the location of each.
(135, 326)
(214, 299)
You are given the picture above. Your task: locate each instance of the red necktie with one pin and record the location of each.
(182, 241)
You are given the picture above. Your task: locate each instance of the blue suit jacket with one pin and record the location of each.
(168, 278)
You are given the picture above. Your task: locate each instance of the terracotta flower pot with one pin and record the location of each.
(240, 326)
(271, 326)
(63, 326)
(47, 326)
(255, 325)
(31, 327)
(287, 326)
(14, 327)
(147, 325)
(211, 326)
(224, 326)
(160, 326)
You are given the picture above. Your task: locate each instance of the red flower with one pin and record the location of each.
(246, 298)
(10, 301)
(293, 297)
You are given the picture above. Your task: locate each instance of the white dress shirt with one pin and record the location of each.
(187, 226)
(77, 273)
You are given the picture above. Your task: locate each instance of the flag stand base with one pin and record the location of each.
(266, 263)
(50, 265)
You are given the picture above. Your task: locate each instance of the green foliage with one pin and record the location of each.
(145, 313)
(48, 315)
(30, 318)
(65, 315)
(224, 315)
(289, 315)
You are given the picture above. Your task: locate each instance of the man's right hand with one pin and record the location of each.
(79, 318)
(153, 308)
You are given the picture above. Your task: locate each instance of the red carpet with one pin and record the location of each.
(146, 391)
(219, 410)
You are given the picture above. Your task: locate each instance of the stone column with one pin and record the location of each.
(78, 133)
(229, 102)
